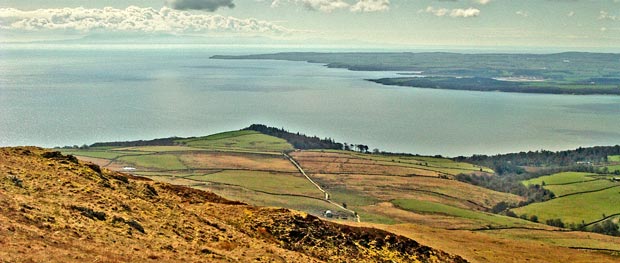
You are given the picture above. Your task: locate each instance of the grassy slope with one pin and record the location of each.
(561, 178)
(239, 141)
(585, 207)
(55, 210)
(451, 200)
(279, 183)
(613, 158)
(155, 161)
(494, 220)
(561, 190)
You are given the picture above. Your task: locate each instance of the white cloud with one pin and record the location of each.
(483, 2)
(604, 15)
(371, 6)
(571, 14)
(458, 12)
(131, 19)
(328, 6)
(522, 13)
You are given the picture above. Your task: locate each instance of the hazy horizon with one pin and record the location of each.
(391, 24)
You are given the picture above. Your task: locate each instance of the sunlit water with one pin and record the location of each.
(73, 96)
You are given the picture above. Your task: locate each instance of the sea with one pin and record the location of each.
(60, 95)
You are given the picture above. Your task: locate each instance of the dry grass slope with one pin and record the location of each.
(54, 208)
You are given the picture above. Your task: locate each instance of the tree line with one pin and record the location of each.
(304, 142)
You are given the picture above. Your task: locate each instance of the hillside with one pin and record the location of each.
(414, 196)
(55, 208)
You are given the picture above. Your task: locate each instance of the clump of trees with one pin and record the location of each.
(302, 141)
(156, 142)
(508, 184)
(543, 158)
(607, 227)
(298, 140)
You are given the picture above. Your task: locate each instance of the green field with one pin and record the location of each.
(613, 158)
(155, 161)
(280, 183)
(585, 207)
(244, 140)
(561, 178)
(613, 168)
(560, 190)
(420, 206)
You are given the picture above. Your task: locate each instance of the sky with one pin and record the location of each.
(404, 23)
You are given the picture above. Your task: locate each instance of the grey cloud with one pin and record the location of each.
(208, 5)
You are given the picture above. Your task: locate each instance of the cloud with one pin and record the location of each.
(522, 13)
(131, 19)
(328, 6)
(208, 5)
(571, 14)
(458, 12)
(604, 15)
(483, 2)
(371, 6)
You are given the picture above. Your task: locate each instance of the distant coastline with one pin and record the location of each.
(573, 73)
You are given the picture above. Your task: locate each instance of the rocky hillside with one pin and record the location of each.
(54, 208)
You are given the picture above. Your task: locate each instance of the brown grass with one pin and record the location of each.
(248, 161)
(40, 223)
(446, 191)
(338, 163)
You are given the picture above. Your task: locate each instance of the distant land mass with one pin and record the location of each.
(561, 73)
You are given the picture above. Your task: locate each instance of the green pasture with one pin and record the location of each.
(239, 140)
(585, 207)
(561, 178)
(155, 161)
(280, 183)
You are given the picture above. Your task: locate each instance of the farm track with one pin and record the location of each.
(327, 196)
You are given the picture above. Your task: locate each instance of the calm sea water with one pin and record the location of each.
(68, 95)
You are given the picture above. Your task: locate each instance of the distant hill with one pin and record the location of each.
(54, 208)
(577, 73)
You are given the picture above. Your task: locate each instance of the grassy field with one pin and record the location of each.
(561, 178)
(345, 162)
(493, 220)
(239, 141)
(613, 158)
(384, 189)
(271, 182)
(585, 207)
(560, 190)
(230, 160)
(155, 161)
(512, 245)
(421, 164)
(613, 168)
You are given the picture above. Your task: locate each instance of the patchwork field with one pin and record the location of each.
(581, 198)
(401, 193)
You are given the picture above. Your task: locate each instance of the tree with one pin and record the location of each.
(534, 218)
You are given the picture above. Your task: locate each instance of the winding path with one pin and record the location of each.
(327, 196)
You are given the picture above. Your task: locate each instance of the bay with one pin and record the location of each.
(73, 95)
